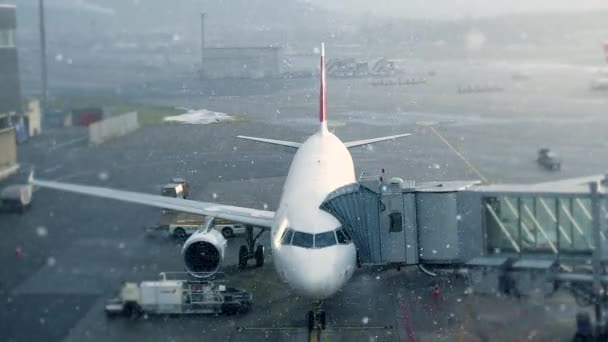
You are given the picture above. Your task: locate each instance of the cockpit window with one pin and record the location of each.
(343, 237)
(287, 236)
(325, 239)
(302, 240)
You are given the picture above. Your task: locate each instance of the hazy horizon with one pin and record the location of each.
(456, 9)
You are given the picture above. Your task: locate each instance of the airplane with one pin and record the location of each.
(311, 251)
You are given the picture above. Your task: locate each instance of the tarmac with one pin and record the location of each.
(65, 257)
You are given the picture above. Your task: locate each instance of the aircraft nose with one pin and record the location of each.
(318, 280)
(319, 273)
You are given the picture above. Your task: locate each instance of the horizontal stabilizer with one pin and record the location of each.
(272, 141)
(374, 140)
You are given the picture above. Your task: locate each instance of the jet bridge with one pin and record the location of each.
(515, 239)
(456, 221)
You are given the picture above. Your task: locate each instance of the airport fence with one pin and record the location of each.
(113, 127)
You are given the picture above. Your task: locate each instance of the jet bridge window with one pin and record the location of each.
(302, 240)
(396, 222)
(539, 224)
(325, 239)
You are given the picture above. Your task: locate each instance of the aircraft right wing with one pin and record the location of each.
(254, 217)
(272, 141)
(374, 140)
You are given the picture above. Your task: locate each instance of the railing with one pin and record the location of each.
(559, 224)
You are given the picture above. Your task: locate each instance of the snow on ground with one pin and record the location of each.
(199, 117)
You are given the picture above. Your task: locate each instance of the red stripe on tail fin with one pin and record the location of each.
(322, 107)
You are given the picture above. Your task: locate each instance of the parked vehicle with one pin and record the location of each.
(228, 228)
(184, 184)
(16, 198)
(549, 159)
(178, 297)
(181, 225)
(174, 190)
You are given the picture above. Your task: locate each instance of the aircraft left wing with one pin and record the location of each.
(254, 217)
(374, 140)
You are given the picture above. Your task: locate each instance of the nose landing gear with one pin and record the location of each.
(316, 318)
(250, 250)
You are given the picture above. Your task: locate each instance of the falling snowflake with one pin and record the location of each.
(214, 195)
(41, 231)
(103, 176)
(365, 320)
(51, 261)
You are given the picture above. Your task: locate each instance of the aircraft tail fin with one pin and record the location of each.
(322, 105)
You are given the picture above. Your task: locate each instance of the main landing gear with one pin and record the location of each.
(316, 318)
(250, 250)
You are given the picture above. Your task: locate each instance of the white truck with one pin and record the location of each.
(228, 229)
(181, 225)
(177, 297)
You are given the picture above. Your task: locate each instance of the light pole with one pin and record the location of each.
(43, 55)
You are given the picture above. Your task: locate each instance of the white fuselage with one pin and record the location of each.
(321, 165)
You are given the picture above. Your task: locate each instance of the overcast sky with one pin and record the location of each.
(447, 9)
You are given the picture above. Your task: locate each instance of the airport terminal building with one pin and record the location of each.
(241, 62)
(10, 88)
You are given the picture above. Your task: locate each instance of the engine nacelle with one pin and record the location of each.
(204, 252)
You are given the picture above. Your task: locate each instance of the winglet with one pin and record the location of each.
(30, 178)
(322, 106)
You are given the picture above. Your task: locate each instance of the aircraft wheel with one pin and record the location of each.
(179, 233)
(259, 256)
(310, 317)
(243, 256)
(323, 320)
(227, 232)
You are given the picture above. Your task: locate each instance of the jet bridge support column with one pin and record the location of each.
(598, 288)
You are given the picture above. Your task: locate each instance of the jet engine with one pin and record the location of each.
(204, 252)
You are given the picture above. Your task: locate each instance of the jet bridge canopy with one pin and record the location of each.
(357, 208)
